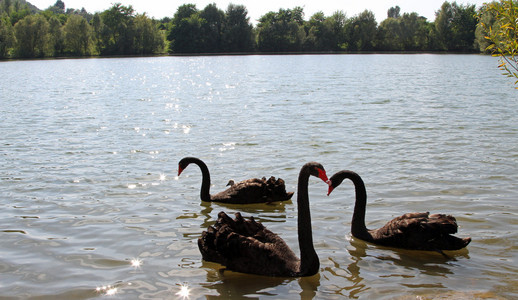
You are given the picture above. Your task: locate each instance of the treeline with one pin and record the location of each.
(119, 30)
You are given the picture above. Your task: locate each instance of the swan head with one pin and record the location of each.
(334, 181)
(317, 170)
(180, 169)
(338, 177)
(231, 182)
(183, 163)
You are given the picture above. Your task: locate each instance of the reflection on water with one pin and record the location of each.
(231, 285)
(406, 264)
(351, 273)
(91, 205)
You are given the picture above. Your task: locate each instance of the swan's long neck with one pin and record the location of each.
(205, 183)
(358, 228)
(309, 263)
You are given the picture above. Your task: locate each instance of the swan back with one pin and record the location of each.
(247, 246)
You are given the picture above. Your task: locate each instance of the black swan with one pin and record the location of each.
(252, 190)
(418, 231)
(246, 246)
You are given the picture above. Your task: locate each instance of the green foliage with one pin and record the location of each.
(237, 32)
(486, 20)
(77, 35)
(58, 8)
(210, 30)
(18, 13)
(389, 35)
(394, 12)
(148, 39)
(321, 34)
(56, 36)
(185, 31)
(7, 39)
(99, 33)
(455, 25)
(501, 29)
(119, 30)
(32, 36)
(282, 31)
(361, 32)
(409, 32)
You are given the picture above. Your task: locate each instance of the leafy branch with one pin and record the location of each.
(503, 34)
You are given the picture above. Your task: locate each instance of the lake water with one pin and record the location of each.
(89, 188)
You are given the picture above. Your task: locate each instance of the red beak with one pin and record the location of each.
(180, 170)
(322, 175)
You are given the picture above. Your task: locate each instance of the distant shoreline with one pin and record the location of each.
(246, 54)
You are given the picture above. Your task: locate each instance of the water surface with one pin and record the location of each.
(89, 151)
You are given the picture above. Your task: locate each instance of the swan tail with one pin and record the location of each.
(450, 242)
(206, 244)
(276, 189)
(221, 241)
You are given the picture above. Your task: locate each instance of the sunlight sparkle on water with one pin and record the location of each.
(184, 291)
(162, 177)
(136, 263)
(107, 290)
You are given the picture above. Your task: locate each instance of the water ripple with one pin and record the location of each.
(88, 166)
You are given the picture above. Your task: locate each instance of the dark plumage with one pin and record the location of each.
(253, 190)
(419, 231)
(247, 246)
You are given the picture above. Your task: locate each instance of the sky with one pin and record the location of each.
(257, 8)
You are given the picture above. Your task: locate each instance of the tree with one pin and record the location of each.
(414, 32)
(318, 34)
(56, 36)
(394, 12)
(389, 35)
(17, 12)
(7, 39)
(58, 7)
(148, 38)
(77, 35)
(443, 24)
(32, 36)
(486, 20)
(185, 31)
(503, 34)
(361, 31)
(212, 29)
(282, 31)
(100, 34)
(237, 32)
(118, 30)
(60, 4)
(6, 6)
(456, 26)
(337, 22)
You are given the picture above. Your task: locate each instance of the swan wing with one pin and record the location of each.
(247, 246)
(254, 190)
(421, 231)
